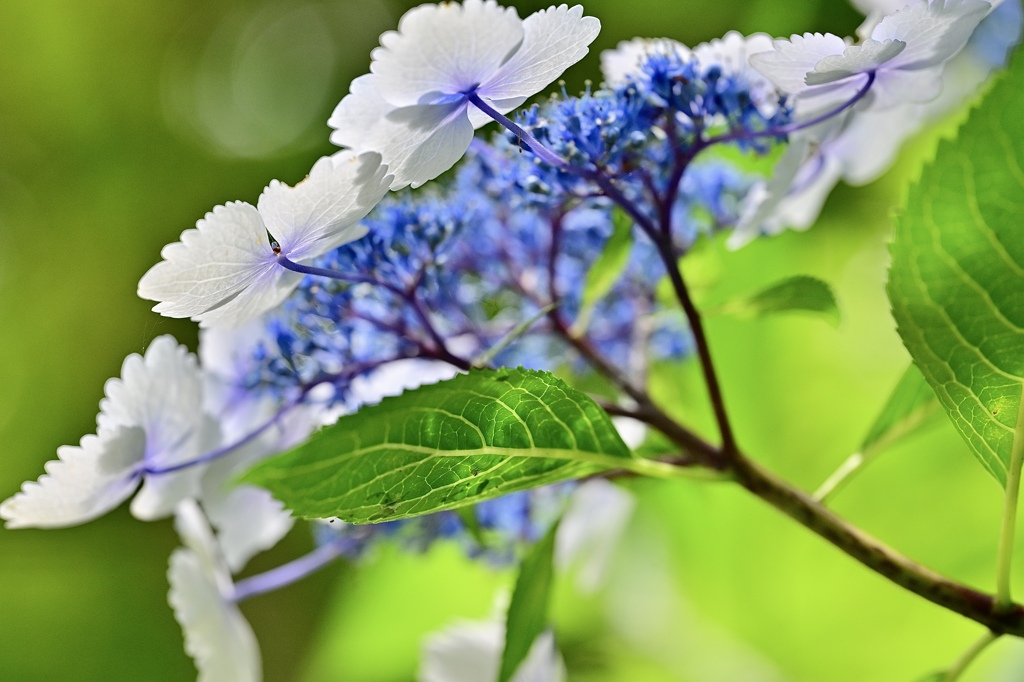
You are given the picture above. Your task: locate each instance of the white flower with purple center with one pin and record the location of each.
(431, 80)
(228, 271)
(151, 422)
(217, 636)
(899, 62)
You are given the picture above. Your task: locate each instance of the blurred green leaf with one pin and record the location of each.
(800, 293)
(911, 406)
(528, 610)
(933, 677)
(608, 267)
(957, 278)
(474, 437)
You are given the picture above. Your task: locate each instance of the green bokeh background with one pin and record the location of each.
(122, 122)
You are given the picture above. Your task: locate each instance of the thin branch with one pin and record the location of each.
(924, 582)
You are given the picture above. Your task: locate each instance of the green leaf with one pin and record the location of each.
(528, 610)
(957, 278)
(911, 406)
(793, 294)
(475, 437)
(608, 267)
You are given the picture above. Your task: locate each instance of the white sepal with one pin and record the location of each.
(217, 636)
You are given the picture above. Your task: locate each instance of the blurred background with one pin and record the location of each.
(122, 122)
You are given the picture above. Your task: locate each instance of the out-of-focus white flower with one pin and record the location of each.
(152, 418)
(470, 651)
(398, 376)
(731, 53)
(217, 636)
(859, 145)
(225, 270)
(624, 61)
(905, 52)
(590, 530)
(413, 108)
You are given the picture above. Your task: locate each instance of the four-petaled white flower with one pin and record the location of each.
(152, 419)
(226, 270)
(904, 52)
(413, 108)
(217, 636)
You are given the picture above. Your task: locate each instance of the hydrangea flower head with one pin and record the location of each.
(414, 107)
(151, 418)
(226, 271)
(903, 54)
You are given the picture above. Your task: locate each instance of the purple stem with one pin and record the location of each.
(796, 125)
(227, 449)
(288, 573)
(284, 262)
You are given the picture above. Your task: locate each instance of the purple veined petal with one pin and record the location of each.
(933, 31)
(444, 49)
(161, 493)
(86, 481)
(893, 88)
(791, 60)
(322, 212)
(217, 636)
(555, 39)
(227, 254)
(416, 143)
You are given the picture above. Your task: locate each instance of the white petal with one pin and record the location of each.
(624, 61)
(217, 636)
(789, 63)
(163, 394)
(249, 521)
(933, 31)
(161, 391)
(443, 50)
(416, 143)
(594, 521)
(322, 212)
(86, 482)
(893, 88)
(162, 492)
(470, 651)
(555, 39)
(733, 50)
(792, 198)
(226, 257)
(395, 377)
(856, 59)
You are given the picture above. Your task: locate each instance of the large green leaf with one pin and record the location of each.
(475, 437)
(528, 610)
(957, 277)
